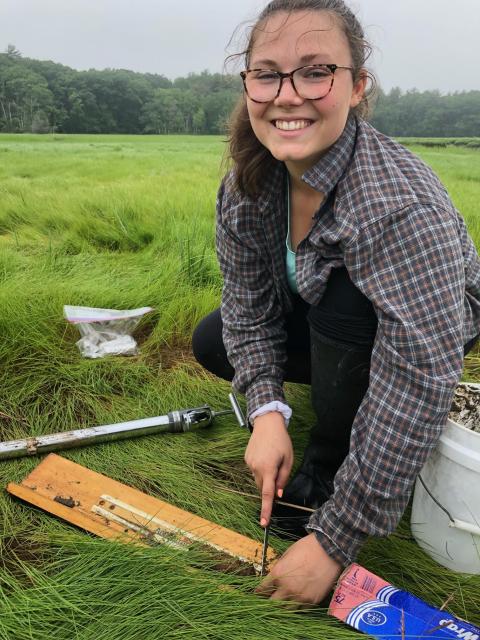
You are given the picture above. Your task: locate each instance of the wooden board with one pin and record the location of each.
(111, 509)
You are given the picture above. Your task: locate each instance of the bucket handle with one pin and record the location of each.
(464, 526)
(454, 522)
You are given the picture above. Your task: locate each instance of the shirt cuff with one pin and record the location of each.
(281, 407)
(337, 539)
(262, 392)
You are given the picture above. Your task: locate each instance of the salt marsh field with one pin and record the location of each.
(124, 222)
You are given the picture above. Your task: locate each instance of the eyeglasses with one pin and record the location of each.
(312, 82)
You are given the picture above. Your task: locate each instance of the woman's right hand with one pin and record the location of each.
(269, 456)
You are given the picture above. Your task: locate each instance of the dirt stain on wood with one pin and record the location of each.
(67, 502)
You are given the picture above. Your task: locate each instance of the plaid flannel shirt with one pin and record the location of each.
(407, 249)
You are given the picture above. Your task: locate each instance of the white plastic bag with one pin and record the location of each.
(105, 331)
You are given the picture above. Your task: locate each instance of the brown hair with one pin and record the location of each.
(252, 162)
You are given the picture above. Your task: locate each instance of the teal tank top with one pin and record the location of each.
(290, 255)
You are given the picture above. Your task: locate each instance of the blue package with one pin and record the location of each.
(372, 605)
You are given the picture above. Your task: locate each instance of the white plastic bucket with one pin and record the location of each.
(446, 503)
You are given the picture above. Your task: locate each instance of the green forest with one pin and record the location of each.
(47, 97)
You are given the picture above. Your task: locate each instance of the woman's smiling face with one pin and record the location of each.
(298, 131)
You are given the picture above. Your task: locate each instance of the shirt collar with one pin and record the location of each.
(323, 176)
(326, 173)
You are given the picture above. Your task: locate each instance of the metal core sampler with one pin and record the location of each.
(178, 421)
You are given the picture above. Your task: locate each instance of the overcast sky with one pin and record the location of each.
(427, 44)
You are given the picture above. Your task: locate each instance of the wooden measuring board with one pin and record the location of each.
(114, 510)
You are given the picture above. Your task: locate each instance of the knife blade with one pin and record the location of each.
(266, 533)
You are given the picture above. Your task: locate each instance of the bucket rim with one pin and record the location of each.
(473, 433)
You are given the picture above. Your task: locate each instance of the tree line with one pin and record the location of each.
(43, 96)
(428, 114)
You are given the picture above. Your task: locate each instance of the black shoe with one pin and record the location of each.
(310, 487)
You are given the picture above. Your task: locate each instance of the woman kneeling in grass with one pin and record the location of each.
(346, 267)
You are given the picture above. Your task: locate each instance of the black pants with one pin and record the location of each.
(344, 315)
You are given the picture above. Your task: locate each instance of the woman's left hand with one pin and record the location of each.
(305, 573)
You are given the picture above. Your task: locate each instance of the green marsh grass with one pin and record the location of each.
(122, 222)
